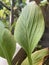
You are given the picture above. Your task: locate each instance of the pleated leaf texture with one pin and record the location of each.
(37, 57)
(29, 27)
(7, 44)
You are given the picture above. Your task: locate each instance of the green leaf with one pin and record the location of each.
(7, 44)
(6, 1)
(24, 1)
(29, 27)
(37, 57)
(43, 3)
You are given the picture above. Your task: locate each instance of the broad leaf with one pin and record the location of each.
(37, 57)
(7, 44)
(29, 27)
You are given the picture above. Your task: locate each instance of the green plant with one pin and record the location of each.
(28, 32)
(29, 28)
(37, 57)
(7, 43)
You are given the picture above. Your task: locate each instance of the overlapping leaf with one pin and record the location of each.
(37, 57)
(7, 44)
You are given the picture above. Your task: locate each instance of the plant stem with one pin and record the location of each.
(9, 62)
(30, 59)
(3, 4)
(12, 14)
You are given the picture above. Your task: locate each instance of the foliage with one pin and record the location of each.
(7, 44)
(29, 28)
(43, 3)
(4, 12)
(28, 31)
(37, 57)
